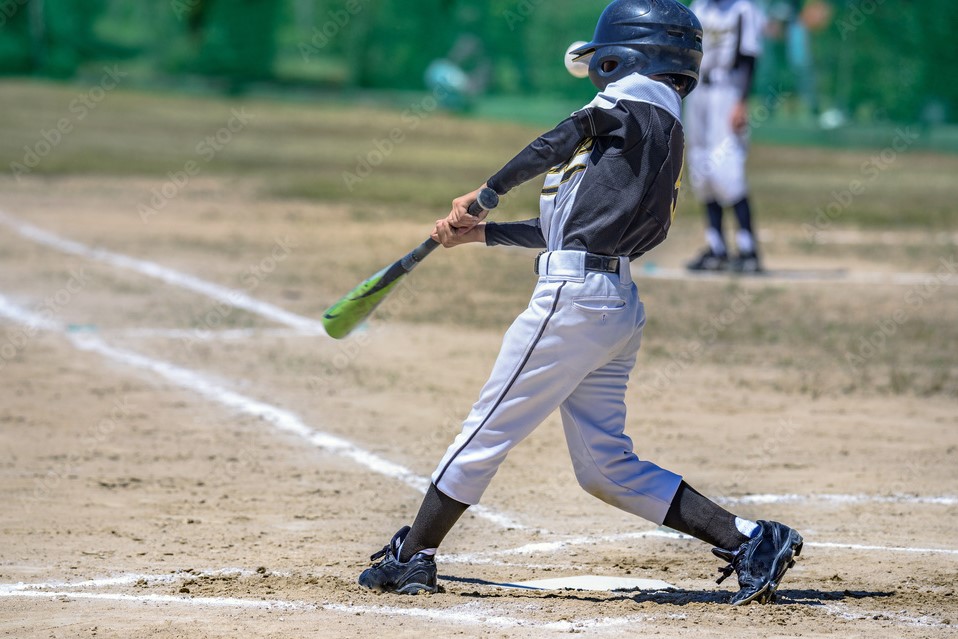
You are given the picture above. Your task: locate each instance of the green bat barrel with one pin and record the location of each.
(346, 314)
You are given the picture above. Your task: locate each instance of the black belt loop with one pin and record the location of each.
(536, 263)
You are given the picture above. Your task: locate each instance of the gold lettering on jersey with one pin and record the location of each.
(675, 192)
(562, 173)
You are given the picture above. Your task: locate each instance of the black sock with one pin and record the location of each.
(743, 212)
(713, 210)
(437, 515)
(693, 514)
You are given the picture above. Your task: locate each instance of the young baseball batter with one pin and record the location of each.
(613, 173)
(716, 122)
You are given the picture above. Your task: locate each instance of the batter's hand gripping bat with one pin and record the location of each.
(358, 304)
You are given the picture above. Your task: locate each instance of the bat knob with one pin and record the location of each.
(487, 200)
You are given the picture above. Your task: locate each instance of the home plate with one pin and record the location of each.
(592, 582)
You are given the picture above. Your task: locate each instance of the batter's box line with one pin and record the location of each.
(281, 419)
(564, 545)
(229, 296)
(197, 335)
(475, 613)
(790, 498)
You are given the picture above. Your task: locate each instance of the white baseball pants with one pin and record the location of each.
(716, 154)
(573, 349)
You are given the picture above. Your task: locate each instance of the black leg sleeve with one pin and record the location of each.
(713, 213)
(696, 515)
(743, 211)
(437, 515)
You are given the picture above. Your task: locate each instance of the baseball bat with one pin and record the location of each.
(341, 318)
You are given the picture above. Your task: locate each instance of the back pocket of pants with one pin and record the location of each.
(599, 304)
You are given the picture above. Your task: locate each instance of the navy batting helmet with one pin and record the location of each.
(651, 37)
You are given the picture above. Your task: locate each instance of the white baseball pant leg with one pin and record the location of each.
(573, 347)
(716, 154)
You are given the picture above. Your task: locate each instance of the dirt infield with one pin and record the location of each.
(182, 460)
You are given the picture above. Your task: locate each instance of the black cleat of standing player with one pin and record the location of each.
(761, 562)
(709, 261)
(404, 578)
(747, 264)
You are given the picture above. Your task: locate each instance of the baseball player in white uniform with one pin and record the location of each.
(716, 121)
(613, 173)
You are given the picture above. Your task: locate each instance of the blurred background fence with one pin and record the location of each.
(835, 71)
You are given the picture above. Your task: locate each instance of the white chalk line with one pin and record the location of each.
(196, 335)
(304, 326)
(291, 423)
(652, 272)
(841, 611)
(470, 614)
(942, 500)
(473, 613)
(208, 602)
(130, 579)
(560, 546)
(281, 419)
(886, 238)
(232, 297)
(866, 548)
(548, 547)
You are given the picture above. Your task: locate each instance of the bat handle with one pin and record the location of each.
(487, 200)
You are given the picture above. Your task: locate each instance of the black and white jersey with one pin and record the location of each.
(732, 31)
(613, 173)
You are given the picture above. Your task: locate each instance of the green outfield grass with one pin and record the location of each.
(412, 157)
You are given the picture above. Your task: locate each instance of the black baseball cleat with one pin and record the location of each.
(391, 575)
(709, 261)
(747, 263)
(761, 562)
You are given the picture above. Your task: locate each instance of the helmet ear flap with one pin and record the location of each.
(613, 63)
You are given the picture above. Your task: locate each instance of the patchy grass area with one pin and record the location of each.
(819, 339)
(405, 160)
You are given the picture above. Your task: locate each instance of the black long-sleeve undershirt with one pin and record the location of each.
(527, 234)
